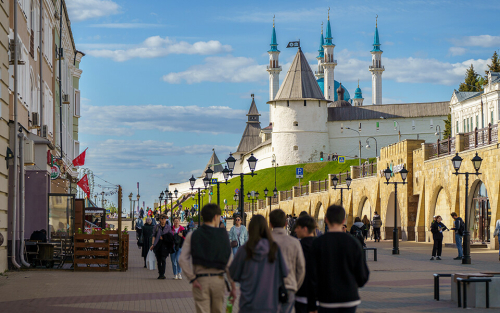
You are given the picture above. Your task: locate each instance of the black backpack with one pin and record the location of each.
(358, 234)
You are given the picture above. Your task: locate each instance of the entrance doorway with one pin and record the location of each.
(480, 217)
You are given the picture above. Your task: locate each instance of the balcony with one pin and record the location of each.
(269, 68)
(382, 68)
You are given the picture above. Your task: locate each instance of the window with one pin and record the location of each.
(287, 103)
(377, 125)
(304, 102)
(458, 131)
(413, 125)
(295, 123)
(477, 121)
(432, 123)
(295, 148)
(465, 129)
(491, 117)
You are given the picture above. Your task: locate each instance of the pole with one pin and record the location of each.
(395, 236)
(199, 216)
(342, 197)
(242, 201)
(218, 193)
(275, 176)
(171, 211)
(120, 245)
(41, 66)
(360, 151)
(60, 77)
(466, 244)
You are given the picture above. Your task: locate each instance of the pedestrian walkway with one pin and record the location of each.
(397, 283)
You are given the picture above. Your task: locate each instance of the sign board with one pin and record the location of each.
(55, 172)
(293, 44)
(299, 172)
(214, 181)
(237, 191)
(341, 159)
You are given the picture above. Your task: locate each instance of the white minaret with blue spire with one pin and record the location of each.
(358, 97)
(329, 63)
(377, 69)
(321, 56)
(274, 67)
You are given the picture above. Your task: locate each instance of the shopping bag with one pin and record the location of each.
(151, 260)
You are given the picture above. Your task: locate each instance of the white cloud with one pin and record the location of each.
(127, 25)
(124, 120)
(457, 51)
(163, 166)
(484, 41)
(282, 16)
(80, 10)
(156, 46)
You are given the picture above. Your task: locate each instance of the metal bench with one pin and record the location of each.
(472, 280)
(374, 253)
(436, 284)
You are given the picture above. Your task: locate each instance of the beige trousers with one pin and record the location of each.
(210, 299)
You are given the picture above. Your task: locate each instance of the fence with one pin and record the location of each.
(442, 147)
(482, 137)
(365, 170)
(92, 252)
(318, 186)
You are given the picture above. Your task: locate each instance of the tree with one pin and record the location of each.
(447, 127)
(494, 67)
(472, 81)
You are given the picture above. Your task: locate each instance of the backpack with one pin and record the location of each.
(358, 234)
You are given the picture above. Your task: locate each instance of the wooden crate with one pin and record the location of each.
(92, 252)
(124, 256)
(114, 249)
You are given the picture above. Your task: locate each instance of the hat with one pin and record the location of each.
(163, 216)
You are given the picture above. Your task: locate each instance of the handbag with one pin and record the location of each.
(234, 243)
(151, 260)
(282, 292)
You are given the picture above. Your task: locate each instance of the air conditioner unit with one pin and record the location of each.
(29, 152)
(65, 99)
(35, 120)
(44, 131)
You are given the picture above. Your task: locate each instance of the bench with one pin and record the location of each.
(374, 253)
(436, 284)
(472, 280)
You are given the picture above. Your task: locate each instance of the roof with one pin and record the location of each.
(373, 112)
(213, 160)
(328, 37)
(299, 82)
(464, 95)
(358, 94)
(253, 108)
(251, 137)
(274, 43)
(495, 77)
(376, 41)
(321, 50)
(269, 127)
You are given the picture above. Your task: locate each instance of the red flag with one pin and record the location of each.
(84, 185)
(80, 160)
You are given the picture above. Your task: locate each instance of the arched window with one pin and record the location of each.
(295, 123)
(295, 148)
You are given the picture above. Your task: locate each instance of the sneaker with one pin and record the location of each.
(438, 258)
(432, 258)
(176, 276)
(162, 277)
(180, 277)
(457, 258)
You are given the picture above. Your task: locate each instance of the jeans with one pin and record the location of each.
(437, 247)
(235, 249)
(376, 233)
(175, 262)
(458, 240)
(288, 307)
(337, 310)
(161, 262)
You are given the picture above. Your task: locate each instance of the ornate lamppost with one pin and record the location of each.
(275, 194)
(335, 181)
(206, 182)
(253, 195)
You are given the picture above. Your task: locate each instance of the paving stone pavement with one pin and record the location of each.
(397, 283)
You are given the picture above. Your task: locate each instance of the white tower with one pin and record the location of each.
(321, 56)
(329, 63)
(274, 70)
(358, 97)
(376, 68)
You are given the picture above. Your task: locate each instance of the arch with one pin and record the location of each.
(440, 205)
(480, 213)
(365, 208)
(389, 214)
(319, 215)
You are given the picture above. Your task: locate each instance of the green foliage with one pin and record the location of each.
(447, 127)
(472, 81)
(493, 67)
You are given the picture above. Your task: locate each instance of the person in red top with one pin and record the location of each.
(179, 236)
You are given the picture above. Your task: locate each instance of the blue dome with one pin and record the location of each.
(358, 94)
(321, 83)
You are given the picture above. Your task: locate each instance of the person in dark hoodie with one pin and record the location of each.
(376, 224)
(341, 273)
(259, 268)
(305, 298)
(357, 230)
(205, 257)
(437, 229)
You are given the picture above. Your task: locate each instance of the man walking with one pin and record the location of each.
(205, 257)
(293, 255)
(339, 258)
(163, 242)
(376, 224)
(459, 228)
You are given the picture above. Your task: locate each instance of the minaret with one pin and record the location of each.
(329, 63)
(358, 97)
(320, 73)
(274, 68)
(376, 68)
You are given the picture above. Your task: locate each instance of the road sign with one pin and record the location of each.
(214, 181)
(299, 172)
(341, 159)
(237, 191)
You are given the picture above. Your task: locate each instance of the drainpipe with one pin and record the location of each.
(60, 79)
(22, 188)
(14, 145)
(40, 60)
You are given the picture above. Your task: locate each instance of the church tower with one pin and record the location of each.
(274, 67)
(320, 73)
(329, 63)
(358, 97)
(377, 69)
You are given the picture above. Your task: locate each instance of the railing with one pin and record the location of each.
(318, 186)
(376, 67)
(365, 170)
(442, 147)
(274, 68)
(482, 137)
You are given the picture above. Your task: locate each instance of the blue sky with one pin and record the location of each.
(164, 82)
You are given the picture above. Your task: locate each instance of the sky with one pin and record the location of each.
(165, 82)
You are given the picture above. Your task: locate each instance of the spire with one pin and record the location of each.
(253, 113)
(321, 43)
(274, 43)
(358, 94)
(376, 40)
(328, 31)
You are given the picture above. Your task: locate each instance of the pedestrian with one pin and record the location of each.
(190, 225)
(238, 235)
(138, 231)
(305, 298)
(459, 228)
(293, 255)
(259, 267)
(205, 257)
(376, 224)
(497, 234)
(141, 213)
(366, 222)
(163, 242)
(437, 229)
(221, 223)
(342, 273)
(357, 230)
(147, 238)
(292, 231)
(179, 235)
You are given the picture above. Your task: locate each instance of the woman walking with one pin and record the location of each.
(179, 236)
(163, 242)
(366, 222)
(147, 236)
(238, 234)
(259, 268)
(437, 229)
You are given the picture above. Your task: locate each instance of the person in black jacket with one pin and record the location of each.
(437, 229)
(340, 259)
(305, 297)
(459, 233)
(147, 236)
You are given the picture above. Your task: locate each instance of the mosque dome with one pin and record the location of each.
(321, 83)
(358, 94)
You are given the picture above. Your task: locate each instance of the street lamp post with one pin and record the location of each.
(254, 195)
(228, 171)
(376, 145)
(206, 182)
(335, 181)
(438, 132)
(138, 203)
(130, 198)
(275, 194)
(359, 134)
(209, 173)
(275, 165)
(476, 162)
(388, 174)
